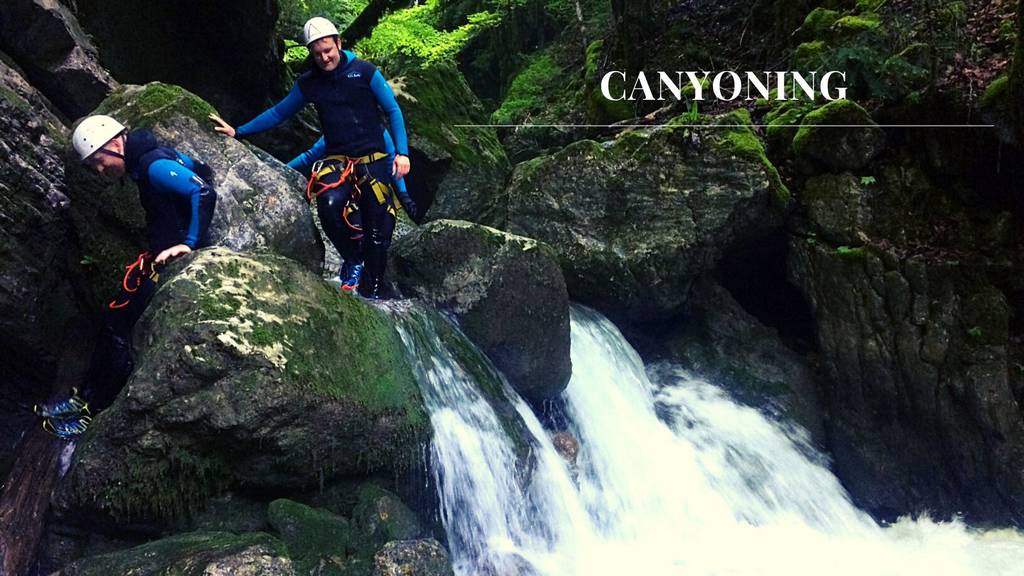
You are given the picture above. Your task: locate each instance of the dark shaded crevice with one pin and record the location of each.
(424, 178)
(754, 272)
(225, 52)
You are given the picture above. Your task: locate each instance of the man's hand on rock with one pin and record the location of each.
(172, 253)
(222, 126)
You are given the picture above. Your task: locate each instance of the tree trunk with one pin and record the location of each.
(1017, 78)
(632, 20)
(26, 500)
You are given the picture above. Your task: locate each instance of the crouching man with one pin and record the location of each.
(178, 198)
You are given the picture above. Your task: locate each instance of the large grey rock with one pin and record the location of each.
(45, 39)
(412, 558)
(462, 168)
(192, 554)
(722, 342)
(260, 203)
(250, 372)
(916, 354)
(634, 220)
(38, 252)
(507, 292)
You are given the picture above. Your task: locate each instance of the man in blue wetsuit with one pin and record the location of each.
(348, 94)
(177, 196)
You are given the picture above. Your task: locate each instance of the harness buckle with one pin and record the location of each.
(318, 165)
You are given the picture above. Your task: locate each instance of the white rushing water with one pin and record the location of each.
(672, 477)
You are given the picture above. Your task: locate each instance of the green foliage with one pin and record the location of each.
(531, 92)
(411, 37)
(294, 53)
(692, 115)
(294, 14)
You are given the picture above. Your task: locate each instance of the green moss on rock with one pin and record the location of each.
(173, 487)
(823, 136)
(810, 55)
(817, 23)
(316, 538)
(997, 94)
(251, 371)
(855, 24)
(739, 139)
(146, 106)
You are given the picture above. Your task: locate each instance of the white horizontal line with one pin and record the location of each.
(724, 125)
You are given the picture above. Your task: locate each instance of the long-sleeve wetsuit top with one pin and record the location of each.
(346, 100)
(304, 162)
(178, 203)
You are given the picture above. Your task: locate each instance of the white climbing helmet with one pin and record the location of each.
(93, 133)
(317, 28)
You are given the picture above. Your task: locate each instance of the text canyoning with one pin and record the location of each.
(727, 85)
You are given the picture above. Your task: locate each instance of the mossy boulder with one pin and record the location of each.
(380, 517)
(507, 292)
(57, 56)
(260, 205)
(318, 541)
(996, 94)
(810, 55)
(192, 554)
(250, 372)
(817, 24)
(634, 220)
(412, 558)
(462, 167)
(823, 136)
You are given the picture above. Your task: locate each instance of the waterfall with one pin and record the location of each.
(671, 477)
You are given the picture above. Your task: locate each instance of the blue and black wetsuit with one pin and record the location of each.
(179, 206)
(348, 101)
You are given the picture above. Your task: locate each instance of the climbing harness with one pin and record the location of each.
(134, 273)
(346, 167)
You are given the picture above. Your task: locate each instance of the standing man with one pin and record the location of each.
(348, 94)
(178, 198)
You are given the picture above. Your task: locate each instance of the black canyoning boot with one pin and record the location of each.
(371, 283)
